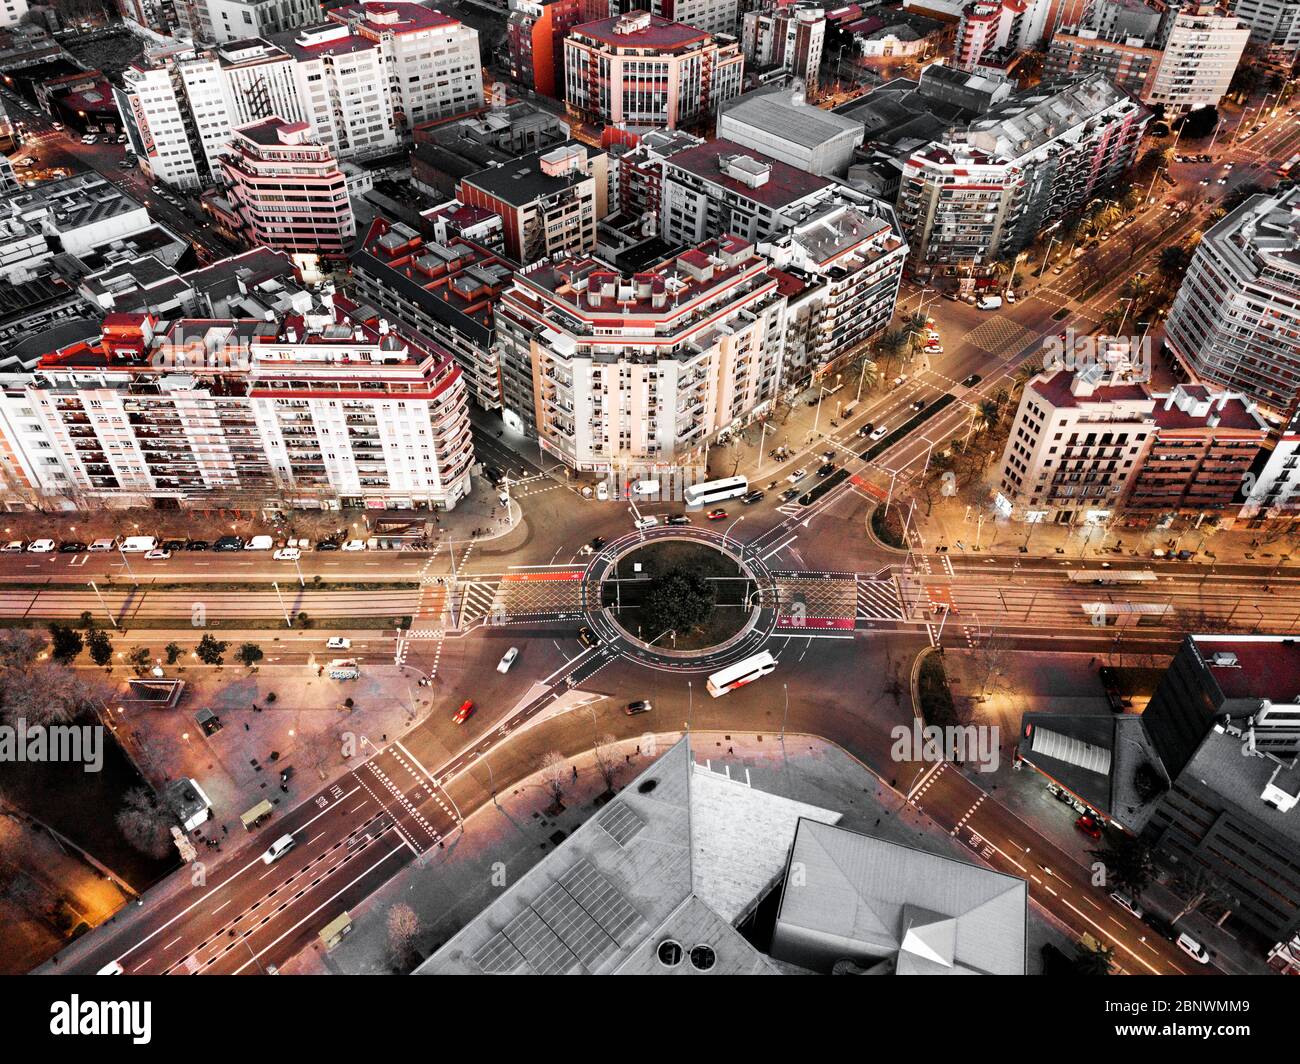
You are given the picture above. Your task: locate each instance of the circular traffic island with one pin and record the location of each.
(678, 594)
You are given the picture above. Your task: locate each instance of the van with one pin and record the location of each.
(101, 545)
(646, 487)
(139, 544)
(259, 543)
(278, 849)
(990, 303)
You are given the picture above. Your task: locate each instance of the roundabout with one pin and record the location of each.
(734, 622)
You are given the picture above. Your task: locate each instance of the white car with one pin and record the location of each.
(880, 432)
(158, 555)
(649, 521)
(354, 544)
(279, 848)
(507, 659)
(111, 968)
(900, 379)
(1011, 296)
(602, 491)
(932, 334)
(1193, 948)
(287, 554)
(40, 546)
(934, 349)
(796, 476)
(338, 642)
(14, 546)
(1125, 902)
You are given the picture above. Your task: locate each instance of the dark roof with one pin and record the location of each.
(521, 182)
(785, 184)
(660, 33)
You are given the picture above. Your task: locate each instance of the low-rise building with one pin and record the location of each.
(784, 126)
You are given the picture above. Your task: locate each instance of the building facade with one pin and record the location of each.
(1273, 24)
(321, 409)
(220, 21)
(1235, 321)
(790, 37)
(535, 36)
(643, 70)
(1199, 55)
(637, 375)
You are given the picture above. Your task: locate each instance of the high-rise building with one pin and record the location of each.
(321, 408)
(287, 190)
(219, 21)
(788, 37)
(1200, 53)
(549, 200)
(991, 25)
(712, 16)
(643, 70)
(1273, 24)
(1235, 321)
(12, 12)
(638, 374)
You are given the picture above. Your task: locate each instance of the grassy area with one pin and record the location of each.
(888, 527)
(935, 698)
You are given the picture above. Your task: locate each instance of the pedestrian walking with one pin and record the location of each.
(224, 830)
(730, 750)
(245, 725)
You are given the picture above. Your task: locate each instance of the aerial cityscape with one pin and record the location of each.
(684, 487)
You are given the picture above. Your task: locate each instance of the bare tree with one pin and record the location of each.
(403, 925)
(19, 647)
(144, 823)
(50, 694)
(554, 776)
(607, 764)
(1199, 889)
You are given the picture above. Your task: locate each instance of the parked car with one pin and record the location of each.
(602, 491)
(198, 544)
(1192, 948)
(260, 543)
(1125, 902)
(751, 497)
(102, 545)
(507, 659)
(338, 642)
(226, 543)
(354, 545)
(1089, 826)
(900, 379)
(464, 713)
(287, 554)
(40, 546)
(633, 708)
(934, 348)
(174, 545)
(649, 521)
(71, 546)
(158, 554)
(327, 544)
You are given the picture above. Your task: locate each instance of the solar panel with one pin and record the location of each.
(574, 926)
(498, 956)
(541, 947)
(602, 902)
(621, 823)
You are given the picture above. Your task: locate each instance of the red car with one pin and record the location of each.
(1089, 826)
(717, 515)
(464, 713)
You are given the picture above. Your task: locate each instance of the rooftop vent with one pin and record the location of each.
(1224, 659)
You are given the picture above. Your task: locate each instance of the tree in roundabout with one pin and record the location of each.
(679, 601)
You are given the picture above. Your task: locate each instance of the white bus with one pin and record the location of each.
(741, 673)
(715, 491)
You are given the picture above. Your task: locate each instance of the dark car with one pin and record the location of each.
(229, 543)
(197, 544)
(173, 544)
(867, 429)
(918, 404)
(789, 493)
(587, 637)
(71, 546)
(677, 519)
(751, 497)
(826, 470)
(633, 708)
(597, 542)
(972, 380)
(327, 544)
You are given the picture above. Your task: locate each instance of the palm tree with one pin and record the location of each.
(1132, 199)
(1172, 261)
(1109, 215)
(917, 322)
(1114, 317)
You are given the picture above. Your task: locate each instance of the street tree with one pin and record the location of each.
(211, 650)
(100, 646)
(66, 643)
(1128, 864)
(1093, 958)
(554, 777)
(607, 760)
(20, 647)
(49, 693)
(403, 926)
(144, 823)
(249, 654)
(140, 660)
(678, 601)
(1200, 890)
(173, 652)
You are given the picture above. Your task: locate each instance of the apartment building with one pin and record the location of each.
(711, 16)
(326, 408)
(1273, 24)
(1235, 321)
(638, 374)
(1200, 52)
(1129, 63)
(12, 12)
(644, 70)
(993, 25)
(1275, 489)
(839, 270)
(220, 21)
(789, 37)
(535, 35)
(1088, 443)
(287, 191)
(439, 292)
(549, 201)
(989, 189)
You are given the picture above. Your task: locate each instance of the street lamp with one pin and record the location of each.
(728, 531)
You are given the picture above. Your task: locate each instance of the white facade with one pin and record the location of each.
(12, 11)
(1276, 491)
(237, 20)
(1272, 23)
(1200, 56)
(156, 116)
(344, 91)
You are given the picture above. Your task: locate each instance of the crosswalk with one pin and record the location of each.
(878, 600)
(473, 601)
